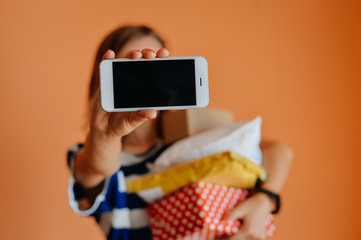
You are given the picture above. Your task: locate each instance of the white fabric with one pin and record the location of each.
(125, 218)
(121, 182)
(151, 195)
(139, 218)
(242, 138)
(120, 218)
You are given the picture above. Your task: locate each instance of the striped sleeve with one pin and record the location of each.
(121, 215)
(75, 191)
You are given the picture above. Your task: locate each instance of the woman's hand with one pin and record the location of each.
(277, 159)
(120, 124)
(100, 156)
(254, 212)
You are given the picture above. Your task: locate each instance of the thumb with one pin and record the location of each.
(124, 123)
(135, 119)
(238, 212)
(148, 114)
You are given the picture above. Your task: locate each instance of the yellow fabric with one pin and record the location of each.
(227, 169)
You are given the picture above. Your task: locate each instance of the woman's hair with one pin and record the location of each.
(115, 41)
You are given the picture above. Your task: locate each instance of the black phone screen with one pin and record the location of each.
(154, 83)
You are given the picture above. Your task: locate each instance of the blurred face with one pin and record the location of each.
(139, 44)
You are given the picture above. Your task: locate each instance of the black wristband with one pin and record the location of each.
(275, 197)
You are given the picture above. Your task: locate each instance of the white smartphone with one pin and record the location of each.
(160, 83)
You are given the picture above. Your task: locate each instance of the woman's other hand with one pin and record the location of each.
(277, 159)
(253, 212)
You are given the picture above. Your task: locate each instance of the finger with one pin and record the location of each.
(134, 54)
(250, 233)
(148, 114)
(109, 54)
(239, 235)
(163, 52)
(238, 212)
(148, 53)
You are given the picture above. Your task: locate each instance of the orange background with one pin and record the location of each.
(296, 63)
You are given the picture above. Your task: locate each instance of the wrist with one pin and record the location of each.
(273, 199)
(266, 201)
(100, 156)
(102, 146)
(100, 136)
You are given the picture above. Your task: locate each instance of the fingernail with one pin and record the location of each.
(155, 115)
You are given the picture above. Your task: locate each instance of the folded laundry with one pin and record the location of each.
(242, 138)
(228, 169)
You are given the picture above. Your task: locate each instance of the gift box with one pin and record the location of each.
(196, 212)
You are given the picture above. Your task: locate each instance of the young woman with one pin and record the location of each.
(119, 145)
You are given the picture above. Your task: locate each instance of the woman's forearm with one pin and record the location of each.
(277, 158)
(99, 158)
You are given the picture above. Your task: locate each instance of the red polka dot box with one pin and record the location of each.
(195, 213)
